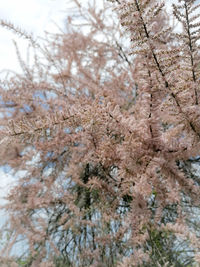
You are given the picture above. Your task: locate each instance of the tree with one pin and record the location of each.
(103, 126)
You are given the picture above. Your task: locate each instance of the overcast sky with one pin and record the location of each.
(34, 16)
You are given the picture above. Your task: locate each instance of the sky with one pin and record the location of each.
(33, 16)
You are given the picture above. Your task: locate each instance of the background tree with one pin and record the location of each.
(104, 129)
